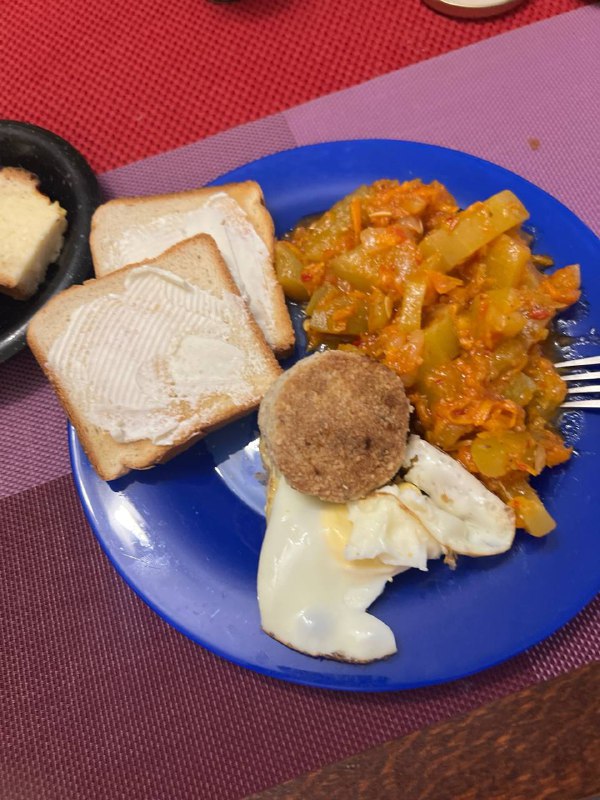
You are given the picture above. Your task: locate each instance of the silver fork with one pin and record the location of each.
(581, 376)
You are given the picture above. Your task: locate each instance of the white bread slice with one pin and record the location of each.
(133, 229)
(104, 355)
(31, 233)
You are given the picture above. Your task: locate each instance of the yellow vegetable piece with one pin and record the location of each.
(288, 268)
(318, 295)
(491, 456)
(356, 267)
(409, 318)
(495, 315)
(476, 227)
(355, 213)
(364, 268)
(506, 261)
(543, 262)
(340, 313)
(530, 510)
(379, 311)
(520, 389)
(496, 453)
(509, 355)
(440, 341)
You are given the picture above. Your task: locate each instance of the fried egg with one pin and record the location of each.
(458, 510)
(323, 564)
(384, 528)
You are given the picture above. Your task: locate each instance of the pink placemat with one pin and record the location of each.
(98, 696)
(512, 100)
(123, 80)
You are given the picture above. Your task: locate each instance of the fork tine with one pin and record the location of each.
(578, 362)
(584, 389)
(581, 376)
(582, 404)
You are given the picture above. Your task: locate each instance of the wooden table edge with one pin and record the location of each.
(541, 742)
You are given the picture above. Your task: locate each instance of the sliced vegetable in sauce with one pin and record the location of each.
(453, 301)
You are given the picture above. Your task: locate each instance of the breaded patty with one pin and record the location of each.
(335, 425)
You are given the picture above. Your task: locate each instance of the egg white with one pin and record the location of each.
(323, 564)
(459, 511)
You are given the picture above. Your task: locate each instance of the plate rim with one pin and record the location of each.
(462, 154)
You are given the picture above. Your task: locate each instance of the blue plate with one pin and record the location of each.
(186, 535)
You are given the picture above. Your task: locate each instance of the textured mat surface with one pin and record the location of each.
(98, 697)
(124, 80)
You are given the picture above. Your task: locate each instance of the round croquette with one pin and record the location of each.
(335, 425)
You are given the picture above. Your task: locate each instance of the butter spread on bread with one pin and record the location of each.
(130, 230)
(151, 358)
(31, 233)
(134, 385)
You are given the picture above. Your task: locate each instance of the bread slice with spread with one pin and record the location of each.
(132, 229)
(149, 359)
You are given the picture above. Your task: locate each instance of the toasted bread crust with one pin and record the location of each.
(335, 425)
(112, 459)
(247, 193)
(249, 196)
(19, 175)
(11, 289)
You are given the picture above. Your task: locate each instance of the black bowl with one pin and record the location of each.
(65, 176)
